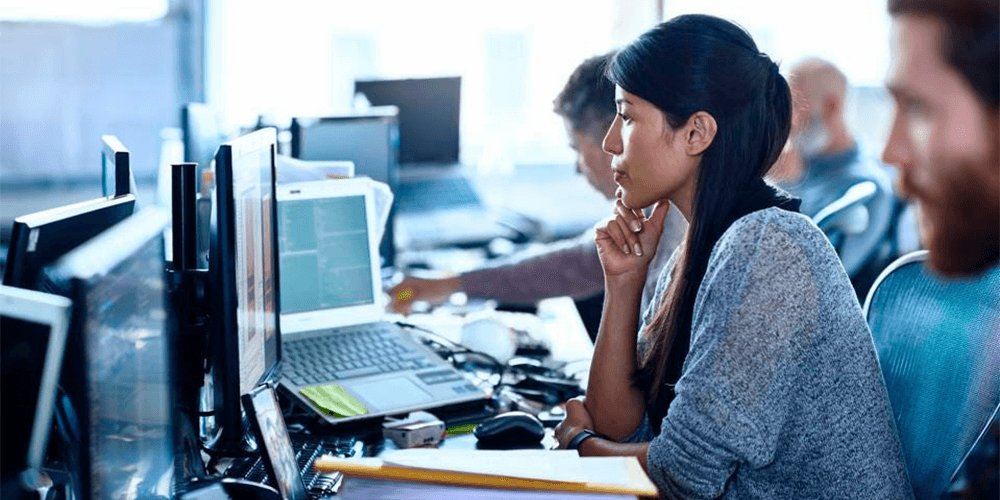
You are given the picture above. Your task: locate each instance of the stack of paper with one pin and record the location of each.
(486, 474)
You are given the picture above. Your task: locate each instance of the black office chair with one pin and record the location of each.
(938, 343)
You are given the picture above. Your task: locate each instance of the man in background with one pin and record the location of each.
(831, 162)
(572, 267)
(945, 139)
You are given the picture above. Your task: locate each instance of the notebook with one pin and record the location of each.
(340, 356)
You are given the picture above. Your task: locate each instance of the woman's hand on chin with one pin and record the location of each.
(627, 241)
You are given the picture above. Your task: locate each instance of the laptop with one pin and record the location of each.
(34, 327)
(437, 203)
(332, 319)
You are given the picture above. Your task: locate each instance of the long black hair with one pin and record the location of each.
(702, 63)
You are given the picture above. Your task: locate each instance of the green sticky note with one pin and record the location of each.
(334, 400)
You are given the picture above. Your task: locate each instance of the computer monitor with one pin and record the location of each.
(41, 238)
(33, 326)
(201, 132)
(428, 115)
(117, 412)
(369, 139)
(246, 346)
(116, 173)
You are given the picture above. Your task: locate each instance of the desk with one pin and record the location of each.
(556, 321)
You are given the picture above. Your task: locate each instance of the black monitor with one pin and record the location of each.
(116, 173)
(117, 408)
(428, 115)
(32, 340)
(246, 345)
(40, 238)
(201, 132)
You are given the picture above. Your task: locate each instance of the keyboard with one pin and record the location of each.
(307, 450)
(435, 194)
(348, 353)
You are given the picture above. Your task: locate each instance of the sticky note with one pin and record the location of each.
(334, 400)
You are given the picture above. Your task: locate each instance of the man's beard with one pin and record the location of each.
(965, 237)
(812, 140)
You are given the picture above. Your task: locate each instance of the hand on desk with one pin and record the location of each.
(434, 291)
(577, 419)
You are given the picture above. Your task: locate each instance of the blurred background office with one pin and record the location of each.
(71, 72)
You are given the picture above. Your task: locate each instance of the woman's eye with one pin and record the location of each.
(916, 108)
(625, 118)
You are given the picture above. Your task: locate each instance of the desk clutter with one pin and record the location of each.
(186, 373)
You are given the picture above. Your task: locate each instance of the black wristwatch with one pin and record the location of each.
(580, 437)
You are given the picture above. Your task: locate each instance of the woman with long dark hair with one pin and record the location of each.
(753, 374)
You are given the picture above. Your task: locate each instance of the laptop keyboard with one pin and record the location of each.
(307, 450)
(435, 194)
(348, 353)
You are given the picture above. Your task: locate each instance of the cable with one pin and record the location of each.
(460, 349)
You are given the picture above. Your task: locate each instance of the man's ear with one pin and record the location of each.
(699, 132)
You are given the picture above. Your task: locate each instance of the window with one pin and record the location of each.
(513, 57)
(90, 11)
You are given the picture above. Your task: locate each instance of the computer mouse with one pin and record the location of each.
(511, 428)
(491, 336)
(241, 489)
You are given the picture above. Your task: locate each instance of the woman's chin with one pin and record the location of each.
(631, 199)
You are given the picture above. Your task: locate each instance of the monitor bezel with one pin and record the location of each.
(225, 342)
(114, 151)
(24, 236)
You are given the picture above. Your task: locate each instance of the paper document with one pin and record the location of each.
(551, 465)
(555, 470)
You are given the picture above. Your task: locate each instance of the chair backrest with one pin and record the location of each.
(938, 342)
(840, 213)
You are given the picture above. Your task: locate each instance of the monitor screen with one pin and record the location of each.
(41, 238)
(119, 358)
(428, 115)
(116, 173)
(324, 256)
(33, 327)
(248, 346)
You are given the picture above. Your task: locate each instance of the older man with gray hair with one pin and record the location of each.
(832, 162)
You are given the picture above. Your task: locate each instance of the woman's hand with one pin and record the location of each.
(577, 419)
(413, 289)
(627, 241)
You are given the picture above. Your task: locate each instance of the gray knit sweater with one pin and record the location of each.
(781, 396)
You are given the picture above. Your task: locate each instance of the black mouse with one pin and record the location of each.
(511, 428)
(238, 489)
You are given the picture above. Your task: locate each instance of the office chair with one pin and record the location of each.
(847, 214)
(938, 343)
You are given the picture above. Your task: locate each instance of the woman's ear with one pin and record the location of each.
(699, 132)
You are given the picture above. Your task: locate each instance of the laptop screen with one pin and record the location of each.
(324, 254)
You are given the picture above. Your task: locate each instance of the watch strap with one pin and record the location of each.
(579, 438)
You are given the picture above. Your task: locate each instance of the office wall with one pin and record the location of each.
(64, 85)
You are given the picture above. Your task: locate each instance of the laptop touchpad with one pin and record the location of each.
(387, 394)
